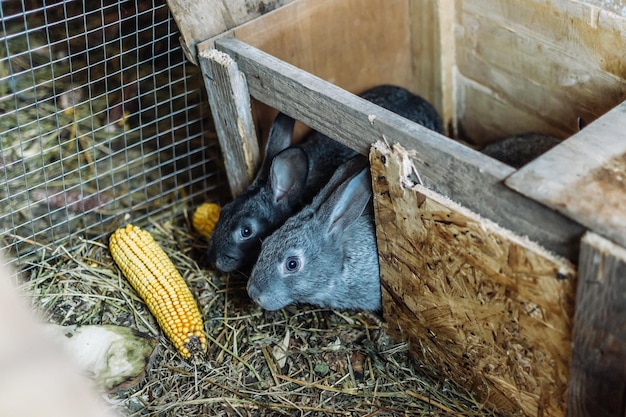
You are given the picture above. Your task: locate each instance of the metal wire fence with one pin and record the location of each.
(102, 122)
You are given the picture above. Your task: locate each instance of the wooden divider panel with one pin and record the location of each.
(480, 305)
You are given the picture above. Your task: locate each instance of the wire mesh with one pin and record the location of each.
(102, 122)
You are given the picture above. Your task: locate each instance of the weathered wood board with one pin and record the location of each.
(232, 116)
(481, 306)
(354, 44)
(584, 177)
(598, 373)
(200, 20)
(447, 166)
(545, 62)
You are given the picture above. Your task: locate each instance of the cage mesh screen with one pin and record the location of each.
(102, 122)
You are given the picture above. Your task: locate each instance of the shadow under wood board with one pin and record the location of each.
(480, 305)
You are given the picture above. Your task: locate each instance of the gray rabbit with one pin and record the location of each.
(289, 177)
(519, 150)
(326, 254)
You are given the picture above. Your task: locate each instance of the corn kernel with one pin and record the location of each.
(205, 217)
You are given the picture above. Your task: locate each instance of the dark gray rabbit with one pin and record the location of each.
(406, 104)
(326, 254)
(519, 150)
(290, 176)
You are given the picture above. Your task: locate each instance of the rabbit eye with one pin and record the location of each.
(292, 264)
(246, 232)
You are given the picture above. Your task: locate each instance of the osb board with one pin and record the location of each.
(584, 177)
(200, 20)
(536, 65)
(481, 306)
(354, 44)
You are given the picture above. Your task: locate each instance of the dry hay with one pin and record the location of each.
(297, 361)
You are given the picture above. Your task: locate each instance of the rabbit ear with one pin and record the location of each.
(288, 173)
(278, 140)
(346, 203)
(345, 171)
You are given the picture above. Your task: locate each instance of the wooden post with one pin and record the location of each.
(200, 20)
(232, 115)
(598, 374)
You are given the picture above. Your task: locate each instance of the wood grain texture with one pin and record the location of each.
(232, 116)
(551, 61)
(446, 166)
(584, 177)
(354, 44)
(480, 305)
(200, 20)
(433, 53)
(598, 373)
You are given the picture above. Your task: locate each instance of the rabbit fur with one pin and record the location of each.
(290, 176)
(326, 254)
(519, 150)
(406, 104)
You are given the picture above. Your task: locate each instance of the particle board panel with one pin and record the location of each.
(480, 305)
(584, 177)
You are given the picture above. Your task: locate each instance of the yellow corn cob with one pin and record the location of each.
(153, 275)
(205, 217)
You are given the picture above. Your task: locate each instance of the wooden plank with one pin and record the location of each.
(532, 59)
(232, 116)
(200, 20)
(480, 305)
(446, 166)
(584, 177)
(598, 373)
(433, 52)
(615, 6)
(504, 119)
(354, 44)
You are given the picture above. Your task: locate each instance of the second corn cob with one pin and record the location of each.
(205, 217)
(153, 275)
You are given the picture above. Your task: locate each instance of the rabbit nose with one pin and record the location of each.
(226, 263)
(254, 293)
